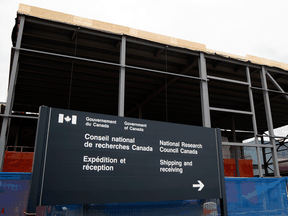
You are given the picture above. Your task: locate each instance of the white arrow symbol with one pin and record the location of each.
(200, 185)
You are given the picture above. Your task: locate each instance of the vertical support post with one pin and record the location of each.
(11, 90)
(269, 122)
(254, 121)
(34, 196)
(206, 121)
(236, 148)
(223, 199)
(17, 133)
(264, 157)
(122, 77)
(140, 111)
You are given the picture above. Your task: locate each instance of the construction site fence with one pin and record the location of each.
(245, 196)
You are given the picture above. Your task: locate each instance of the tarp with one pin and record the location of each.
(18, 161)
(256, 196)
(245, 196)
(14, 188)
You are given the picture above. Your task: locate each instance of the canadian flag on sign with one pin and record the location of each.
(67, 119)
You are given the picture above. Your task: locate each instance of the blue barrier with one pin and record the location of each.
(256, 196)
(14, 188)
(245, 196)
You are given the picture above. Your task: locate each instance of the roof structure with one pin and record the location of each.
(64, 61)
(45, 79)
(123, 30)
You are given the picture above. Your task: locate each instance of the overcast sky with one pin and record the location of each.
(255, 27)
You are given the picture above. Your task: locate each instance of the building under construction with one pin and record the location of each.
(64, 61)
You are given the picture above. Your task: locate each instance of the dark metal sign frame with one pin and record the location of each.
(80, 158)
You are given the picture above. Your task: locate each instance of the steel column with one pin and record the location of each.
(140, 111)
(223, 199)
(269, 121)
(254, 121)
(11, 88)
(122, 77)
(264, 157)
(206, 121)
(235, 148)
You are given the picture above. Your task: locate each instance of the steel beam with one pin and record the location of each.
(74, 35)
(254, 71)
(67, 56)
(11, 91)
(279, 71)
(117, 45)
(164, 72)
(279, 137)
(269, 121)
(252, 108)
(121, 99)
(230, 110)
(108, 63)
(283, 161)
(163, 87)
(161, 46)
(19, 116)
(135, 40)
(270, 90)
(279, 150)
(279, 76)
(237, 69)
(227, 80)
(158, 52)
(206, 121)
(84, 30)
(277, 85)
(231, 60)
(113, 46)
(246, 144)
(217, 64)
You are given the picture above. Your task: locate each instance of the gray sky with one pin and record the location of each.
(255, 27)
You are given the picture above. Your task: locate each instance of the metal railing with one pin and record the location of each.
(16, 148)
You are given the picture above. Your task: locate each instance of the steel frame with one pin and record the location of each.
(122, 77)
(254, 121)
(269, 121)
(246, 144)
(206, 120)
(203, 79)
(11, 88)
(19, 116)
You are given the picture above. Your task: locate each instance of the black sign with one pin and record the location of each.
(93, 158)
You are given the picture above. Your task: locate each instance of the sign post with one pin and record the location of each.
(88, 158)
